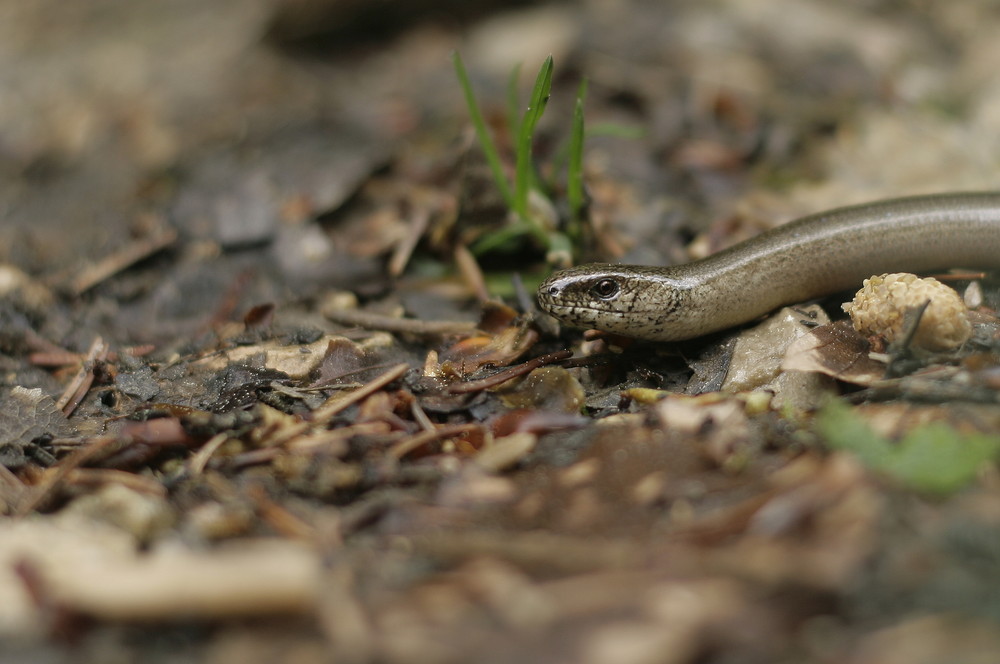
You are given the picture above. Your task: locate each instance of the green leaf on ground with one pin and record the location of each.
(935, 458)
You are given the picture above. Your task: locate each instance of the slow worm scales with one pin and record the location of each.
(804, 259)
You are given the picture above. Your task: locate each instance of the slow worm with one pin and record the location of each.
(804, 259)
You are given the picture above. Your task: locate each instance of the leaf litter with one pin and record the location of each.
(256, 407)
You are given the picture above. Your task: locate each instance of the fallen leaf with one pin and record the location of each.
(27, 415)
(835, 350)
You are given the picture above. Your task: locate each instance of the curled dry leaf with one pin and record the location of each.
(342, 359)
(468, 355)
(835, 350)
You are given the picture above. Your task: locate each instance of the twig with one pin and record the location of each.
(278, 517)
(253, 458)
(54, 358)
(419, 220)
(84, 378)
(198, 461)
(404, 447)
(339, 402)
(469, 268)
(524, 301)
(507, 374)
(420, 417)
(327, 383)
(960, 276)
(58, 473)
(117, 261)
(320, 415)
(60, 357)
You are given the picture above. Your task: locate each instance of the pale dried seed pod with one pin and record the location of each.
(878, 309)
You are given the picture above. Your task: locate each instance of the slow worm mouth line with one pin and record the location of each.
(801, 260)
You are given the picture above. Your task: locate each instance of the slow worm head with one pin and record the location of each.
(630, 300)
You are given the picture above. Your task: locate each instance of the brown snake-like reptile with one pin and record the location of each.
(813, 256)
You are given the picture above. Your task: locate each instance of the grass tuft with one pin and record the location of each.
(482, 133)
(524, 169)
(519, 195)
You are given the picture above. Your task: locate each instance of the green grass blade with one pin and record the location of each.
(539, 95)
(574, 169)
(523, 172)
(505, 239)
(486, 143)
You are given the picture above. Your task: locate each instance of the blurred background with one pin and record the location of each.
(245, 126)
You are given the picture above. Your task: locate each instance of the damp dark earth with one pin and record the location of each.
(275, 387)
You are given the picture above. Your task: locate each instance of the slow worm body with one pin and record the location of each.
(804, 259)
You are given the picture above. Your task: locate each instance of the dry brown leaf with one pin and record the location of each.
(298, 361)
(836, 350)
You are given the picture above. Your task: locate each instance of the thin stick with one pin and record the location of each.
(507, 374)
(58, 473)
(339, 402)
(196, 464)
(77, 388)
(419, 220)
(117, 261)
(469, 268)
(404, 447)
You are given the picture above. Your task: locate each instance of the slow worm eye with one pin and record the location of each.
(605, 289)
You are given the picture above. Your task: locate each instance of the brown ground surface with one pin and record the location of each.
(220, 442)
